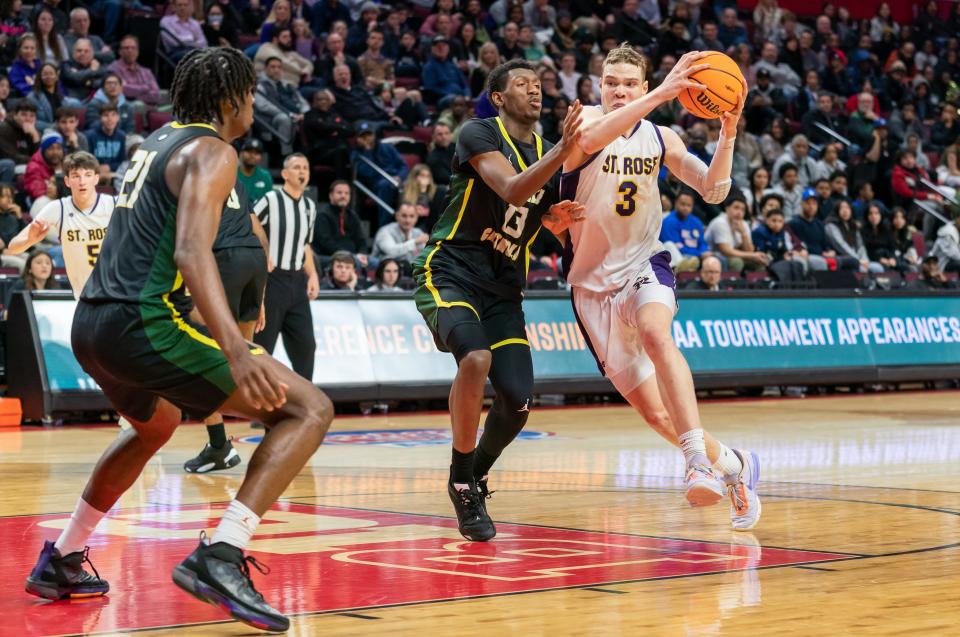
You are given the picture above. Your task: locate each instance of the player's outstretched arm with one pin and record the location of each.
(600, 132)
(713, 182)
(33, 234)
(202, 176)
(516, 188)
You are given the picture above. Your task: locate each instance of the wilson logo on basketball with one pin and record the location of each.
(709, 105)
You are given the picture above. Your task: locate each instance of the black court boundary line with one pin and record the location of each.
(816, 568)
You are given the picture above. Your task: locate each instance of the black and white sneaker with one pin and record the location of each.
(472, 519)
(219, 574)
(63, 577)
(213, 459)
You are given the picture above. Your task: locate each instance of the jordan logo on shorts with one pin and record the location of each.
(526, 406)
(644, 280)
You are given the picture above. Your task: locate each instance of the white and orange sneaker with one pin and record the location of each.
(742, 488)
(703, 486)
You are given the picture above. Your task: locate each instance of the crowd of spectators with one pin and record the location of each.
(847, 155)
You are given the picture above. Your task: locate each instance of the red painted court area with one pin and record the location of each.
(328, 559)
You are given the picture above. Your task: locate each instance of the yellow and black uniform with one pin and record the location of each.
(128, 333)
(240, 258)
(474, 267)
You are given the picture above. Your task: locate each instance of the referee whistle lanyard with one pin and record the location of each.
(506, 136)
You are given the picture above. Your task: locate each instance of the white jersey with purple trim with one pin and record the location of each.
(621, 230)
(81, 234)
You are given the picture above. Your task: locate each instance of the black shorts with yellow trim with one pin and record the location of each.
(139, 353)
(463, 319)
(243, 271)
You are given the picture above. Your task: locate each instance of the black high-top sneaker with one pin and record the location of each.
(63, 577)
(475, 525)
(219, 574)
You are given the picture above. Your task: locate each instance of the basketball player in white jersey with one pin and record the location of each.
(80, 220)
(623, 289)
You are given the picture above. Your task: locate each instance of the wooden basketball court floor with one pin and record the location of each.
(860, 532)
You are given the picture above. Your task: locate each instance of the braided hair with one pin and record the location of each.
(205, 78)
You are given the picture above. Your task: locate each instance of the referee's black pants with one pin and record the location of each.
(287, 310)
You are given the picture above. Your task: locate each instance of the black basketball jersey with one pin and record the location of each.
(236, 229)
(480, 238)
(136, 261)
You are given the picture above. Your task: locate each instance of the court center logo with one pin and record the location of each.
(398, 437)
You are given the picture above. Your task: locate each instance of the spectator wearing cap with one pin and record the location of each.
(294, 68)
(442, 78)
(180, 32)
(111, 92)
(789, 189)
(38, 180)
(731, 32)
(799, 155)
(729, 238)
(834, 78)
(810, 231)
(765, 102)
(444, 27)
(375, 66)
(19, 137)
(255, 178)
(339, 227)
(82, 74)
(139, 82)
(107, 141)
(354, 103)
(280, 103)
(335, 56)
(402, 239)
(327, 133)
(342, 274)
(630, 26)
(389, 173)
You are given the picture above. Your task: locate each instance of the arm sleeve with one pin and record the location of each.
(476, 137)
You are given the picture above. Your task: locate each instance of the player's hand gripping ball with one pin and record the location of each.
(724, 83)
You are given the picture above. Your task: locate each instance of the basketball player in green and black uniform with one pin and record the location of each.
(241, 250)
(154, 363)
(472, 272)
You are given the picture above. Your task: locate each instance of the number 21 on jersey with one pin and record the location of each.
(133, 179)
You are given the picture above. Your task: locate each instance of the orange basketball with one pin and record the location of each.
(724, 83)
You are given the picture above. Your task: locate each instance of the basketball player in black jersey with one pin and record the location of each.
(241, 250)
(471, 275)
(154, 363)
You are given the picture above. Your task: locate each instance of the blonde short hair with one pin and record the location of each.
(626, 54)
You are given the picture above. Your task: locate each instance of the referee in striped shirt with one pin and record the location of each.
(288, 217)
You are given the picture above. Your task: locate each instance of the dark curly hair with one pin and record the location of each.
(207, 77)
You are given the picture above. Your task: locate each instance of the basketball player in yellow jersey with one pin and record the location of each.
(623, 289)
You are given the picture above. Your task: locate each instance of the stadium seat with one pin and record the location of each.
(81, 118)
(423, 134)
(156, 119)
(889, 280)
(919, 245)
(730, 275)
(911, 276)
(685, 277)
(9, 272)
(759, 279)
(409, 83)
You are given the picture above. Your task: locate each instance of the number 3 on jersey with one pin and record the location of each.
(134, 177)
(514, 221)
(628, 199)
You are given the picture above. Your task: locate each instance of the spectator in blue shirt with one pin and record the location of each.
(787, 262)
(386, 157)
(683, 232)
(731, 32)
(442, 78)
(107, 141)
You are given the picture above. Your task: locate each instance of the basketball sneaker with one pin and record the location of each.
(213, 459)
(219, 574)
(472, 519)
(744, 502)
(63, 577)
(702, 485)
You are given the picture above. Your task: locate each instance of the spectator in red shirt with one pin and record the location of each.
(906, 180)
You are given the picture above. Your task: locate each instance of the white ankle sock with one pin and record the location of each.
(236, 526)
(81, 525)
(727, 464)
(693, 446)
